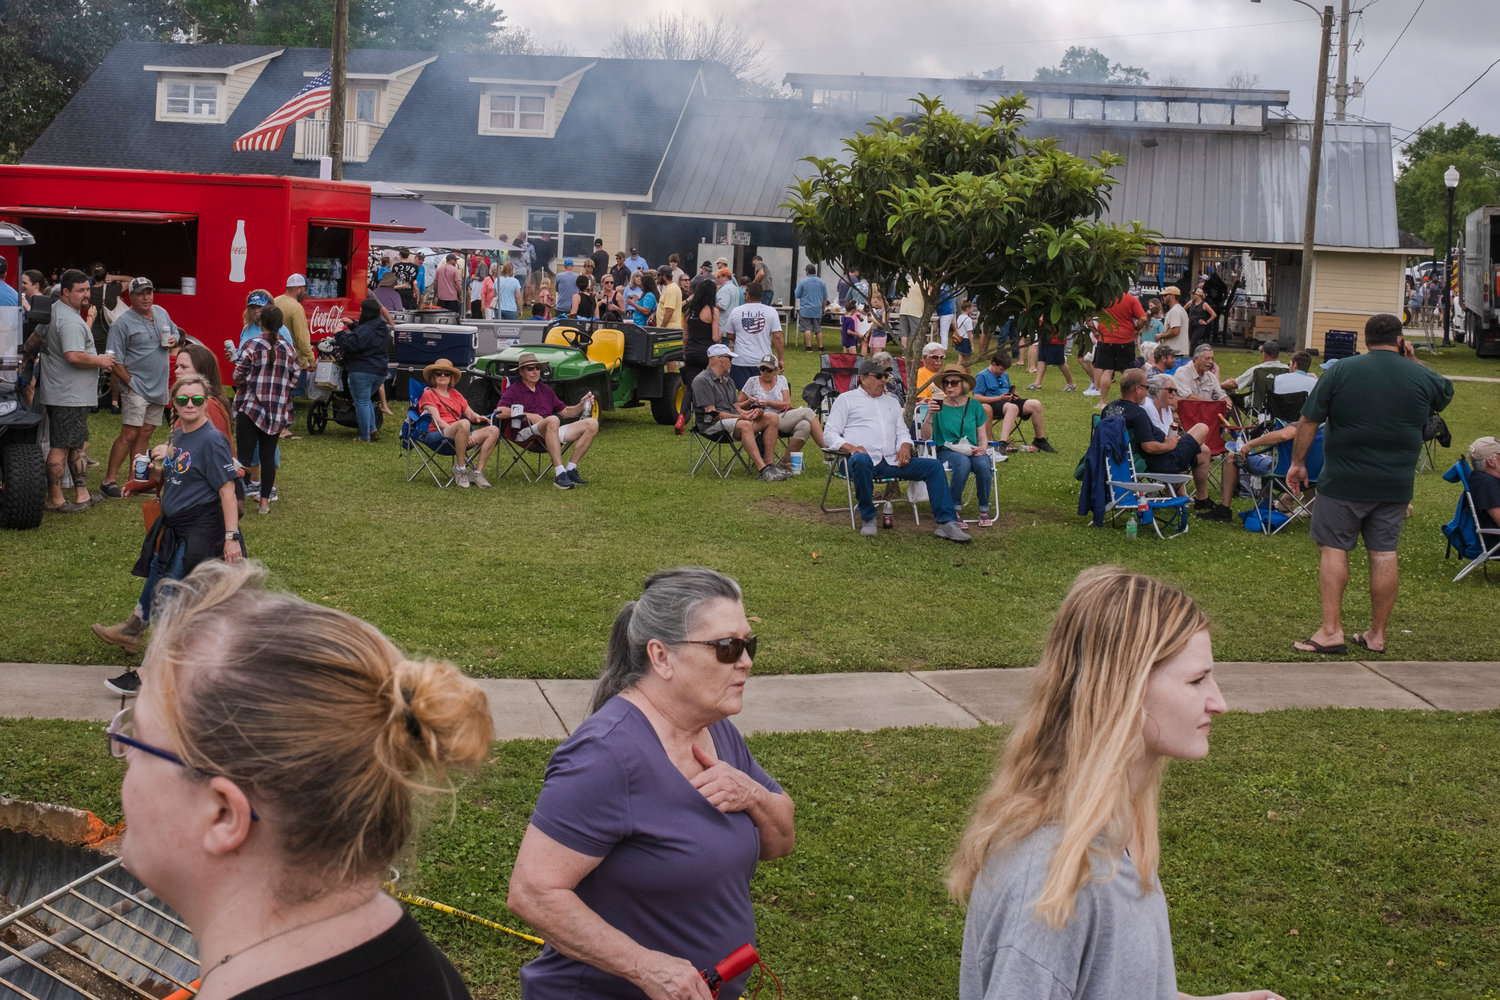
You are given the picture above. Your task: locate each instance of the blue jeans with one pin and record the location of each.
(863, 472)
(362, 386)
(740, 374)
(766, 298)
(510, 314)
(983, 468)
(163, 568)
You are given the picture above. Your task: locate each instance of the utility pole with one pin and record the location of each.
(340, 61)
(1341, 90)
(1315, 165)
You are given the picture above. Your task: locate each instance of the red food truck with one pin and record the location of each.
(205, 240)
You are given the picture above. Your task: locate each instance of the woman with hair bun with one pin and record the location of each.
(1059, 860)
(636, 866)
(270, 785)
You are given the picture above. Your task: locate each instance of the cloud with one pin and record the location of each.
(1445, 48)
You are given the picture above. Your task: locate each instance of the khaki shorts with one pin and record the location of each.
(724, 426)
(788, 421)
(136, 412)
(568, 432)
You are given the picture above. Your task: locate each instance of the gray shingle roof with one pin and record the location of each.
(611, 140)
(735, 158)
(203, 56)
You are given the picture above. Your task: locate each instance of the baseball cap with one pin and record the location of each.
(1172, 290)
(567, 262)
(296, 281)
(1482, 450)
(872, 367)
(259, 297)
(719, 351)
(723, 272)
(769, 361)
(141, 285)
(933, 348)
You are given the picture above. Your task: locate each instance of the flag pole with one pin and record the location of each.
(340, 55)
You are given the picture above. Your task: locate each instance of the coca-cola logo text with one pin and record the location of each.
(325, 320)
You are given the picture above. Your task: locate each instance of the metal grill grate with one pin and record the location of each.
(103, 936)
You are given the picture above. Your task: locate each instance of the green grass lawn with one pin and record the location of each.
(523, 580)
(1318, 853)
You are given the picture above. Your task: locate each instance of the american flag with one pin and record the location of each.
(268, 134)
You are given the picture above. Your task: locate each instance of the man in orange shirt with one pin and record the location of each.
(1120, 326)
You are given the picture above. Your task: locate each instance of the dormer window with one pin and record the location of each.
(511, 112)
(364, 104)
(190, 99)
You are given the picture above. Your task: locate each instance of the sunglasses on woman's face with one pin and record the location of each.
(764, 369)
(195, 400)
(729, 648)
(949, 383)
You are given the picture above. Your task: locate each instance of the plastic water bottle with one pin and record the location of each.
(886, 520)
(1130, 529)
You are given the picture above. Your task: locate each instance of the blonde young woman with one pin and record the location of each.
(270, 785)
(1059, 862)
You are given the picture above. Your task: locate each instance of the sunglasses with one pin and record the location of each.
(727, 649)
(531, 368)
(950, 382)
(765, 369)
(185, 400)
(882, 376)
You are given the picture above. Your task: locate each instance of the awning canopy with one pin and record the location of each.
(352, 224)
(437, 229)
(95, 214)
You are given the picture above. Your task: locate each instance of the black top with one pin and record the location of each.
(601, 262)
(366, 347)
(586, 306)
(400, 964)
(1485, 489)
(700, 336)
(1137, 421)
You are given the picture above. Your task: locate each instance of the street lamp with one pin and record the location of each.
(1450, 178)
(1315, 164)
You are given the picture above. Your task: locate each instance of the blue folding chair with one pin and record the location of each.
(1278, 506)
(1479, 545)
(424, 446)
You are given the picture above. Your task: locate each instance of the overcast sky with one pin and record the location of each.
(1446, 47)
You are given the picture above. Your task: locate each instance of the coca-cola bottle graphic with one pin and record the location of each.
(238, 251)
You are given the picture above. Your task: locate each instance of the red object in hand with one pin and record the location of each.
(741, 960)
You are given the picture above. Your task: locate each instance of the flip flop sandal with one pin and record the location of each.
(1359, 640)
(1332, 649)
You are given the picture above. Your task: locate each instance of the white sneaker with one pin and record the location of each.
(461, 477)
(1091, 391)
(477, 478)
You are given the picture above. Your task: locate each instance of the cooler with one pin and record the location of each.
(422, 344)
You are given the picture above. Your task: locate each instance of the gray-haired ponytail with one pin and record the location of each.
(667, 610)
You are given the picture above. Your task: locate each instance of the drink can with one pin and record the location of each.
(167, 335)
(796, 463)
(142, 468)
(229, 350)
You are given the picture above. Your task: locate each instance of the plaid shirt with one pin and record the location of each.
(266, 373)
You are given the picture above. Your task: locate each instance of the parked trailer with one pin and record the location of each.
(1479, 277)
(205, 240)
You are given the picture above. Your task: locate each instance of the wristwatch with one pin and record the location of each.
(232, 536)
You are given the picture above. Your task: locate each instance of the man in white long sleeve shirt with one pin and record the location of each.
(867, 425)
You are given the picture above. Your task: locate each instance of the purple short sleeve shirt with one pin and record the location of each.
(543, 402)
(675, 874)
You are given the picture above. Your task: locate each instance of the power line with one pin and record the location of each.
(1041, 41)
(1450, 104)
(1395, 43)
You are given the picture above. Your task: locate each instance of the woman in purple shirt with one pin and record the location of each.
(636, 866)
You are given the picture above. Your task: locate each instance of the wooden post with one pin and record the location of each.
(340, 59)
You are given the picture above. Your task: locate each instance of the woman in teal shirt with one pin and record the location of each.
(961, 430)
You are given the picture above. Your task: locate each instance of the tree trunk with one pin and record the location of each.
(913, 351)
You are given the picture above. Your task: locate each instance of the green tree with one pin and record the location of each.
(1421, 194)
(1089, 65)
(971, 204)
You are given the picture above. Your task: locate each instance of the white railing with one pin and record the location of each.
(312, 140)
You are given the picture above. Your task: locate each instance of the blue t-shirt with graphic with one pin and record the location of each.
(199, 465)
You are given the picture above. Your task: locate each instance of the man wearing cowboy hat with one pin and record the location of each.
(453, 418)
(543, 414)
(867, 425)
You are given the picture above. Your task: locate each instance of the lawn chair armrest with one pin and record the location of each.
(1172, 478)
(1138, 487)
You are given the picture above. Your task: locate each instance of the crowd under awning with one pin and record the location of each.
(396, 207)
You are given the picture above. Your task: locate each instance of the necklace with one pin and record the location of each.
(204, 974)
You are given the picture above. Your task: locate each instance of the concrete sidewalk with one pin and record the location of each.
(525, 709)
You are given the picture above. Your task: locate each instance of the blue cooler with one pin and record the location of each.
(422, 344)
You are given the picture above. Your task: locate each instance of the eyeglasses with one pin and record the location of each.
(115, 732)
(185, 400)
(727, 649)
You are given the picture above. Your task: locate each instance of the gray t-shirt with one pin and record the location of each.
(136, 342)
(1118, 943)
(62, 383)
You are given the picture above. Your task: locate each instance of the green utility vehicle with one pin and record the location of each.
(620, 363)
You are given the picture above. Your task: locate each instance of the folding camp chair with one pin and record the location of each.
(1286, 406)
(1479, 545)
(1250, 402)
(1127, 488)
(719, 449)
(838, 468)
(530, 456)
(836, 376)
(1277, 506)
(1214, 416)
(1434, 432)
(926, 449)
(424, 446)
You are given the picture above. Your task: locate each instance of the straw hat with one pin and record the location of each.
(442, 365)
(955, 369)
